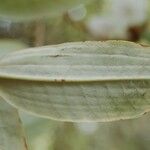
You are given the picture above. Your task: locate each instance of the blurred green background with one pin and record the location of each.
(94, 20)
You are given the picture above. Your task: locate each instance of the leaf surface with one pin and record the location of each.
(83, 81)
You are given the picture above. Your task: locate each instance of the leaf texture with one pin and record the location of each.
(83, 81)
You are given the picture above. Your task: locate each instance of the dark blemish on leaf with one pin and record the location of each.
(144, 45)
(53, 55)
(62, 49)
(58, 55)
(62, 80)
(144, 113)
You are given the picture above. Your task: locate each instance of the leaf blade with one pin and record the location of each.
(89, 61)
(76, 94)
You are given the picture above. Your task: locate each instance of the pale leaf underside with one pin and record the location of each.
(83, 81)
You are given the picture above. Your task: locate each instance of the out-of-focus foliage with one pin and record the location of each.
(97, 20)
(9, 45)
(145, 37)
(35, 9)
(40, 132)
(129, 134)
(117, 17)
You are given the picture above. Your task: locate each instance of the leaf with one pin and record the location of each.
(83, 81)
(35, 9)
(11, 132)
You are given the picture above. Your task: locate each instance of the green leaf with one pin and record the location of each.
(35, 9)
(11, 132)
(83, 81)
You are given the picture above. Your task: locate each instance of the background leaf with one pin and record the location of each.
(11, 132)
(9, 45)
(35, 9)
(91, 81)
